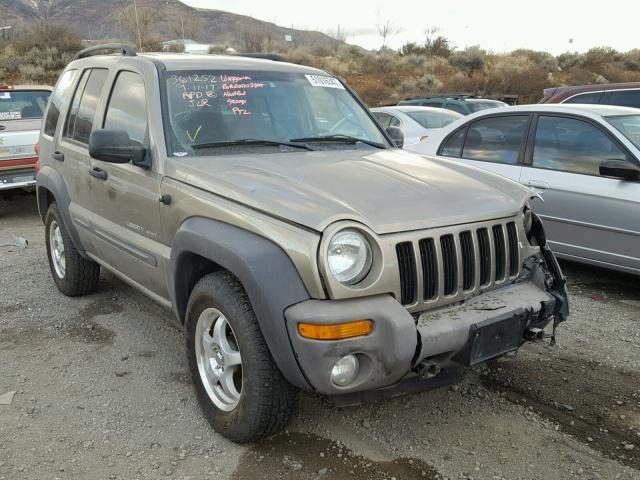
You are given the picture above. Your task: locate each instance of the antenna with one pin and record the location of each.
(135, 7)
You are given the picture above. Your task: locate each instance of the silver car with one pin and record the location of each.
(417, 123)
(583, 160)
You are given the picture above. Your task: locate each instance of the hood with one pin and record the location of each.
(387, 190)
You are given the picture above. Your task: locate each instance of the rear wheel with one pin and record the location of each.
(239, 387)
(73, 274)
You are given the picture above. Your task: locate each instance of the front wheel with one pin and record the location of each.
(239, 387)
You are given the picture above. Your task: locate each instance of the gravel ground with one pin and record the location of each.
(103, 392)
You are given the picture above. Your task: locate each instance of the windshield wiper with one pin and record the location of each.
(339, 138)
(250, 141)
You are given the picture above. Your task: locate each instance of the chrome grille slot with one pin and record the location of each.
(468, 260)
(408, 274)
(484, 251)
(512, 236)
(429, 261)
(449, 264)
(499, 248)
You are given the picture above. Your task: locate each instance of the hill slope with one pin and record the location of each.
(99, 19)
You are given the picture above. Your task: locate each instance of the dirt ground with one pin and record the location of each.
(103, 392)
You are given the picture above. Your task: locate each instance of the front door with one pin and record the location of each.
(585, 215)
(126, 197)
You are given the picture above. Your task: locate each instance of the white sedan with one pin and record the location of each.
(417, 123)
(584, 160)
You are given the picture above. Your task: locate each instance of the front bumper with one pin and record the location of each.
(466, 333)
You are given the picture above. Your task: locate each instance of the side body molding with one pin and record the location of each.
(264, 269)
(49, 179)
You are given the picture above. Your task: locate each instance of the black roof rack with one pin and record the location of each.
(266, 56)
(125, 50)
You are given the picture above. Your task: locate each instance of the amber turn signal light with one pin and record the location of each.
(335, 331)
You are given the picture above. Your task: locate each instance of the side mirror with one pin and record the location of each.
(115, 146)
(620, 169)
(396, 135)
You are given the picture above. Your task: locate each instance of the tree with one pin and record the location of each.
(386, 30)
(139, 22)
(188, 27)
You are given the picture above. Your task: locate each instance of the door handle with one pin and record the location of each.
(58, 156)
(98, 173)
(538, 184)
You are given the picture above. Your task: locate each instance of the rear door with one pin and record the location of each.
(494, 143)
(585, 215)
(70, 155)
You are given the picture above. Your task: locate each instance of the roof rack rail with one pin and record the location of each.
(266, 56)
(125, 50)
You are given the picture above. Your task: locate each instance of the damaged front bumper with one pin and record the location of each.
(483, 327)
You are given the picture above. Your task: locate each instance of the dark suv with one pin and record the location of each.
(623, 94)
(464, 104)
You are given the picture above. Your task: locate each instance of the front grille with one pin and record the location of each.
(456, 263)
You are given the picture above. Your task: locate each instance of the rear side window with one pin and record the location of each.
(57, 98)
(384, 119)
(453, 146)
(572, 145)
(496, 139)
(457, 108)
(84, 105)
(625, 98)
(590, 98)
(127, 108)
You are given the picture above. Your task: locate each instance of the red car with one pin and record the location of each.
(21, 111)
(623, 94)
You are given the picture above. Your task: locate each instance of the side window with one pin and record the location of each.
(456, 108)
(496, 139)
(394, 121)
(592, 97)
(127, 108)
(454, 144)
(572, 145)
(63, 88)
(384, 119)
(626, 98)
(84, 105)
(432, 104)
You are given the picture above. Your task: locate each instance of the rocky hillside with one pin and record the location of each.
(109, 19)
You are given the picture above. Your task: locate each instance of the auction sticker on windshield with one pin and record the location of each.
(324, 81)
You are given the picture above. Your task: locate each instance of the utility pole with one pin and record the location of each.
(182, 21)
(135, 7)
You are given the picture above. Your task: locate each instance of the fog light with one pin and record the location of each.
(345, 370)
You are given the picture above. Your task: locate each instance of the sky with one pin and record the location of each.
(555, 26)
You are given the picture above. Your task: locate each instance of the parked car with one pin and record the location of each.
(622, 94)
(296, 254)
(463, 104)
(584, 160)
(416, 123)
(21, 108)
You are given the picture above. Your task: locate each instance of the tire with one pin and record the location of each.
(73, 274)
(264, 400)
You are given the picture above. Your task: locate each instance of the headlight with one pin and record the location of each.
(349, 256)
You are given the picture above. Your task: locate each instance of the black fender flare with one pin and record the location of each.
(49, 179)
(265, 271)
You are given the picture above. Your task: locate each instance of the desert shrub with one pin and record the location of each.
(43, 35)
(468, 60)
(630, 60)
(570, 60)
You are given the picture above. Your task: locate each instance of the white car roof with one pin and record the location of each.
(412, 108)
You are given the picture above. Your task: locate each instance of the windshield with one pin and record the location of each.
(629, 126)
(433, 119)
(223, 112)
(477, 105)
(22, 104)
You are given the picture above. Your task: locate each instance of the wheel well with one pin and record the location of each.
(45, 198)
(191, 268)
